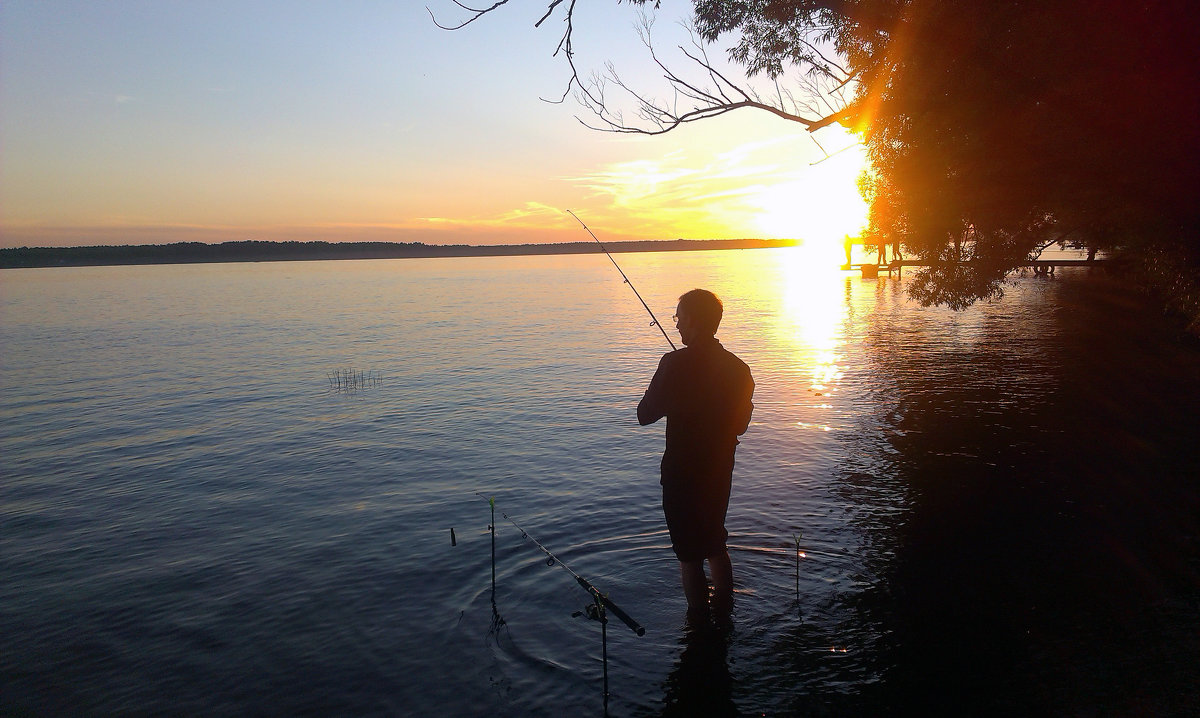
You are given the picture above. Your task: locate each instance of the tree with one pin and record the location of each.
(699, 90)
(995, 129)
(998, 128)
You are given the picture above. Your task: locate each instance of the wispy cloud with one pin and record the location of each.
(531, 214)
(762, 186)
(700, 195)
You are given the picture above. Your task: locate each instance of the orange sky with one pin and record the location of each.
(173, 123)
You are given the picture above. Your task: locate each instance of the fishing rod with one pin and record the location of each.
(596, 611)
(635, 291)
(587, 585)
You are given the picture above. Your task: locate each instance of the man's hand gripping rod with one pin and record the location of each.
(635, 291)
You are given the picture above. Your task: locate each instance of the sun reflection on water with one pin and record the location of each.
(812, 315)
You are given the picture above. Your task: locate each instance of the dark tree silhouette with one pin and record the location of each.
(995, 129)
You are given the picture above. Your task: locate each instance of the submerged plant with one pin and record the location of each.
(353, 380)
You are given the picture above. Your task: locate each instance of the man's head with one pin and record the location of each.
(698, 315)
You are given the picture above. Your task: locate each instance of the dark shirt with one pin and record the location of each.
(705, 392)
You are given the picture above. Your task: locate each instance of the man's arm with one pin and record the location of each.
(653, 405)
(745, 406)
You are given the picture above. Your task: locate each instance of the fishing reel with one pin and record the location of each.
(593, 611)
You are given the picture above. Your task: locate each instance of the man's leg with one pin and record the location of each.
(695, 588)
(722, 578)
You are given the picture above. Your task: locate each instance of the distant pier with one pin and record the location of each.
(1039, 266)
(897, 263)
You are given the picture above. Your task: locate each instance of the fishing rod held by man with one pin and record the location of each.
(653, 318)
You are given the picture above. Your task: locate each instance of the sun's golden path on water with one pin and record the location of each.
(810, 323)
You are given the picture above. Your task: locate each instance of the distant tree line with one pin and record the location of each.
(259, 251)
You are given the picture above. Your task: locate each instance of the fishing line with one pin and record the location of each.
(654, 319)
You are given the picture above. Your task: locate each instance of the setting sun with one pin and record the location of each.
(820, 205)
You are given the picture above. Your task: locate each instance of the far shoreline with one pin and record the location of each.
(263, 251)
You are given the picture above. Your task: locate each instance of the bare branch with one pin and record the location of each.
(550, 11)
(712, 71)
(706, 63)
(710, 93)
(695, 92)
(476, 13)
(702, 113)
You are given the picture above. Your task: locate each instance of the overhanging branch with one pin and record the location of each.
(713, 95)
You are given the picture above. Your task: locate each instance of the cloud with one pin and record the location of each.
(696, 194)
(532, 214)
(762, 187)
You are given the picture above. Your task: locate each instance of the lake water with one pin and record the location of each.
(997, 509)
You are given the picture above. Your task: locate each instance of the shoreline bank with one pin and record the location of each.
(260, 251)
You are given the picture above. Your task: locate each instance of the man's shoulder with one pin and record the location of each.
(683, 360)
(736, 371)
(673, 357)
(703, 354)
(732, 358)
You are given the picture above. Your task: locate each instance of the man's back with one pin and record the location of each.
(705, 393)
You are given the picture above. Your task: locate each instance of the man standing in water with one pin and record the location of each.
(705, 392)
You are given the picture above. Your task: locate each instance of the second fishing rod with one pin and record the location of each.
(552, 559)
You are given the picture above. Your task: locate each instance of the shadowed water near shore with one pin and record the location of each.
(1047, 553)
(997, 508)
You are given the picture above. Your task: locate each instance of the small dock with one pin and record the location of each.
(1040, 266)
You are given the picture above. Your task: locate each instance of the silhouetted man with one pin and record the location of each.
(705, 392)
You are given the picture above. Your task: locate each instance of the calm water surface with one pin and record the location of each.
(997, 509)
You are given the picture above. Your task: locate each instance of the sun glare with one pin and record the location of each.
(781, 187)
(811, 316)
(811, 293)
(819, 205)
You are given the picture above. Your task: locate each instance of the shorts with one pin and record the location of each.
(696, 519)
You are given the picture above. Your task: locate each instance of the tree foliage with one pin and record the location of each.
(995, 128)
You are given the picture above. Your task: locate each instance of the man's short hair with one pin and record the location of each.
(704, 307)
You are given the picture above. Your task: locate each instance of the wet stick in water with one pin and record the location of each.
(796, 539)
